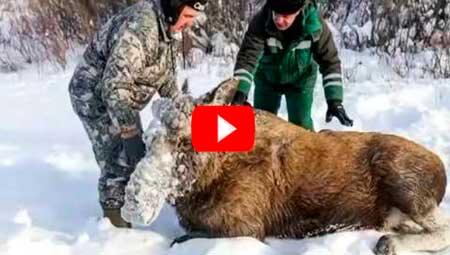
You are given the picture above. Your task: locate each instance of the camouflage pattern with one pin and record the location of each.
(129, 60)
(111, 158)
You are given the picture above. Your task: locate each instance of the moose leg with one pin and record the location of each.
(400, 223)
(234, 222)
(231, 214)
(436, 236)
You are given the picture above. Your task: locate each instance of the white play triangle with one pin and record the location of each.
(224, 128)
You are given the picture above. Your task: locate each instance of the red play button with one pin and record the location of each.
(223, 128)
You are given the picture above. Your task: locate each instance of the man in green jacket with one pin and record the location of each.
(285, 44)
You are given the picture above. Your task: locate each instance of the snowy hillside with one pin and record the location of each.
(49, 194)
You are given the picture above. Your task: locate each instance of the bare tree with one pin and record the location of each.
(40, 30)
(37, 30)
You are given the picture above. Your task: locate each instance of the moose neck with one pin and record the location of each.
(186, 170)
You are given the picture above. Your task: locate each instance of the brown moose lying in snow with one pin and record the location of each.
(294, 184)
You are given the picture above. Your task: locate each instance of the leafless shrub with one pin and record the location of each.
(34, 31)
(407, 31)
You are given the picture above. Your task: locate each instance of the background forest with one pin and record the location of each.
(411, 36)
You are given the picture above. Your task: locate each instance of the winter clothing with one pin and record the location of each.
(240, 98)
(286, 6)
(198, 5)
(299, 99)
(335, 109)
(115, 218)
(172, 8)
(128, 61)
(134, 148)
(287, 62)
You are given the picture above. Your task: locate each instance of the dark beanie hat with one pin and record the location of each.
(285, 6)
(198, 5)
(172, 8)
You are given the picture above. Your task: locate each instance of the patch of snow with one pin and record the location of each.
(49, 181)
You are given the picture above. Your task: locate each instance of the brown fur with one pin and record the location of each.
(297, 183)
(293, 184)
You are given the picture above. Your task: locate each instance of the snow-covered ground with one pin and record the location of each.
(48, 196)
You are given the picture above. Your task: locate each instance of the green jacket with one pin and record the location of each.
(286, 57)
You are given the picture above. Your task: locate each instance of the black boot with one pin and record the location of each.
(115, 218)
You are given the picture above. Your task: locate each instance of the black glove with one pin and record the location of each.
(336, 109)
(134, 149)
(240, 98)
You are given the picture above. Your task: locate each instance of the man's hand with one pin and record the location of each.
(134, 149)
(240, 98)
(336, 109)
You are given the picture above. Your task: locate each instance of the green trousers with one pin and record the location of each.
(299, 99)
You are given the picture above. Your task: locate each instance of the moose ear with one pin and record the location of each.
(221, 95)
(224, 93)
(185, 87)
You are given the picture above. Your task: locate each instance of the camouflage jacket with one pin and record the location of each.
(128, 61)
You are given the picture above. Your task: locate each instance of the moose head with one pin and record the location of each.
(167, 171)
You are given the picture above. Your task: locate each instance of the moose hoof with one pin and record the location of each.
(385, 246)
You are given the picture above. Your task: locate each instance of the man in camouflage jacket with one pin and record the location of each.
(285, 44)
(129, 60)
